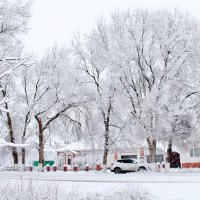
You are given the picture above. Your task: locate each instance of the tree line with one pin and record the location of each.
(133, 77)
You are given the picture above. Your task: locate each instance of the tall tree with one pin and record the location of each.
(53, 95)
(150, 51)
(13, 22)
(93, 61)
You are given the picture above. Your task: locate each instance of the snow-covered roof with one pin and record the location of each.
(77, 146)
(65, 149)
(3, 143)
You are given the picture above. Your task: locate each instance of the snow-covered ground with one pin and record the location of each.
(182, 185)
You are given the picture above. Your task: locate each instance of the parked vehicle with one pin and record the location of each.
(128, 165)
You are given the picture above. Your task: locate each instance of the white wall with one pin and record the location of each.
(186, 158)
(33, 155)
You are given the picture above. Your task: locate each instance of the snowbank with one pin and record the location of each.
(42, 191)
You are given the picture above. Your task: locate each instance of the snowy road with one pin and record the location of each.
(166, 186)
(146, 177)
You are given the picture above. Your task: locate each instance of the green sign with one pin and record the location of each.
(46, 162)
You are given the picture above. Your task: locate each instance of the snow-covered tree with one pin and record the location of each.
(145, 55)
(13, 22)
(152, 51)
(92, 58)
(52, 94)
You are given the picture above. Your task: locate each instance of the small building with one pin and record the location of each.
(65, 157)
(190, 156)
(80, 153)
(85, 155)
(137, 152)
(59, 156)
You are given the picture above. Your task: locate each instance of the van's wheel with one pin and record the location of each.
(117, 170)
(142, 169)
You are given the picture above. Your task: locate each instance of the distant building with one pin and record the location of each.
(65, 153)
(190, 156)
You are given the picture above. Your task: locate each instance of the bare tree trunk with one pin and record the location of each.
(23, 149)
(169, 148)
(152, 149)
(11, 133)
(106, 133)
(169, 151)
(106, 137)
(41, 141)
(27, 121)
(15, 155)
(12, 138)
(23, 156)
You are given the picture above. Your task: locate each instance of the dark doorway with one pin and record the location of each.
(69, 161)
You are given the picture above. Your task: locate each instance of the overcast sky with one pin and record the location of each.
(56, 21)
